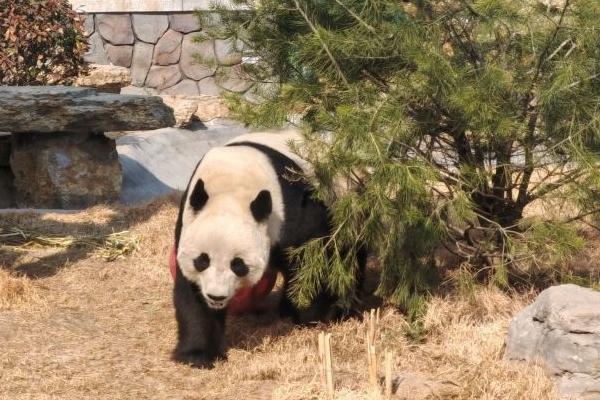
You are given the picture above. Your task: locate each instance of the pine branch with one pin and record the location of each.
(325, 47)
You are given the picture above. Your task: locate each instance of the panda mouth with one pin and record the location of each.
(217, 305)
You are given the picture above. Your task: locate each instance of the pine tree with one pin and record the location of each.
(449, 117)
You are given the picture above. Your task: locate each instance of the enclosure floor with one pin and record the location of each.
(80, 327)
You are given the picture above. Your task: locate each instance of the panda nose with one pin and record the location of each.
(216, 298)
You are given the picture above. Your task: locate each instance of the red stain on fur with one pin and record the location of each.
(246, 300)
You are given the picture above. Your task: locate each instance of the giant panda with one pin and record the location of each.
(245, 205)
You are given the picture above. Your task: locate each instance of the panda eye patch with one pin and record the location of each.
(239, 267)
(201, 262)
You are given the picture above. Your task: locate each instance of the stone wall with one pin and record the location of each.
(159, 49)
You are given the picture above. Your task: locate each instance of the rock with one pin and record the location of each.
(106, 78)
(88, 24)
(160, 77)
(211, 107)
(95, 53)
(141, 62)
(232, 79)
(7, 188)
(190, 65)
(184, 109)
(184, 23)
(119, 55)
(115, 28)
(65, 170)
(5, 150)
(261, 91)
(561, 330)
(411, 386)
(226, 53)
(149, 27)
(139, 91)
(188, 109)
(48, 109)
(168, 48)
(186, 87)
(208, 86)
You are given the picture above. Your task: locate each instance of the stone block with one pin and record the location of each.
(106, 78)
(115, 28)
(184, 23)
(65, 170)
(232, 79)
(141, 62)
(119, 55)
(190, 65)
(95, 53)
(88, 24)
(168, 49)
(186, 87)
(149, 27)
(52, 109)
(228, 54)
(139, 91)
(209, 87)
(160, 77)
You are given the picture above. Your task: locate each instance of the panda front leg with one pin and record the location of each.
(201, 331)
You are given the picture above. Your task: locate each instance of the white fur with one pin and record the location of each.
(225, 228)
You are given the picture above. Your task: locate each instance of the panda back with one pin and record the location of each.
(304, 217)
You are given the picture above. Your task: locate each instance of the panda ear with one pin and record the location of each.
(199, 197)
(261, 206)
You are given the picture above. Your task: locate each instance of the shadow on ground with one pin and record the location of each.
(43, 261)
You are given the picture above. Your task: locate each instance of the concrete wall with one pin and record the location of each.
(155, 40)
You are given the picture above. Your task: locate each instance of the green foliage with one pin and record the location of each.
(41, 42)
(449, 118)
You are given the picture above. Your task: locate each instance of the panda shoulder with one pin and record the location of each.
(283, 142)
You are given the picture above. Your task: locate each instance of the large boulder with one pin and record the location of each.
(48, 109)
(64, 170)
(561, 330)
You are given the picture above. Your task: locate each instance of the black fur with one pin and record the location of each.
(201, 330)
(199, 197)
(262, 206)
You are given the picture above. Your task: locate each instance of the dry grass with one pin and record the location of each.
(75, 326)
(16, 291)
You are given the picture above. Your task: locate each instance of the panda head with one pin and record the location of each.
(224, 246)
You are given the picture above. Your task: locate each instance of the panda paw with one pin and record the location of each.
(196, 359)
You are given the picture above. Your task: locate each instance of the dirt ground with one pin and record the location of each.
(75, 326)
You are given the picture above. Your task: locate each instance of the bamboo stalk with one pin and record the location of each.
(371, 348)
(322, 358)
(328, 365)
(388, 375)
